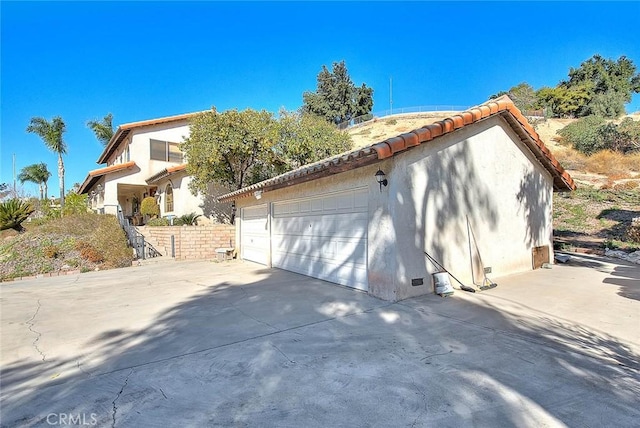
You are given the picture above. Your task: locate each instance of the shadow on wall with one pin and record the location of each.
(535, 198)
(315, 354)
(218, 212)
(454, 191)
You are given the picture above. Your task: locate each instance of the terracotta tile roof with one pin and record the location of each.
(113, 168)
(166, 173)
(502, 106)
(125, 129)
(94, 175)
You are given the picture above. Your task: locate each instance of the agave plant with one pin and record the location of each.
(189, 219)
(13, 212)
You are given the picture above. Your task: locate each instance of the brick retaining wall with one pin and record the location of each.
(194, 242)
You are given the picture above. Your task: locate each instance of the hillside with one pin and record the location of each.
(72, 244)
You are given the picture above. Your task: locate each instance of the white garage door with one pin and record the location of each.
(324, 237)
(254, 234)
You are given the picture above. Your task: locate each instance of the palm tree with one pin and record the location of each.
(36, 173)
(51, 134)
(102, 128)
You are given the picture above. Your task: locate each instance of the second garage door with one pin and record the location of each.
(324, 237)
(254, 234)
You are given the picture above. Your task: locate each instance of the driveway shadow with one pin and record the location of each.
(287, 350)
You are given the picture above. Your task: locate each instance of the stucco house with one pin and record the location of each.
(473, 190)
(143, 159)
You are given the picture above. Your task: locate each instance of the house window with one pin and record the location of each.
(165, 151)
(126, 154)
(168, 199)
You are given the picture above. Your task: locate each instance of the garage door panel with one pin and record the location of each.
(254, 234)
(339, 225)
(344, 274)
(323, 237)
(322, 248)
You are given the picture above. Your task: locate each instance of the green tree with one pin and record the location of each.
(563, 102)
(609, 84)
(523, 96)
(305, 138)
(13, 213)
(103, 128)
(36, 173)
(232, 148)
(51, 133)
(336, 98)
(237, 149)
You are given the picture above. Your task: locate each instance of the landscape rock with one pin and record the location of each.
(630, 257)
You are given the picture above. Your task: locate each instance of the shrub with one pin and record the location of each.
(51, 251)
(158, 222)
(626, 185)
(13, 213)
(89, 253)
(633, 231)
(150, 207)
(591, 134)
(189, 219)
(583, 134)
(75, 203)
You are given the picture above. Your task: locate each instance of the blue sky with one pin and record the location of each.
(143, 60)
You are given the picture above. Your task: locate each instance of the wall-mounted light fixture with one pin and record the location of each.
(381, 179)
(258, 194)
(99, 188)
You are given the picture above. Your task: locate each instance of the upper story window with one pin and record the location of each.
(165, 151)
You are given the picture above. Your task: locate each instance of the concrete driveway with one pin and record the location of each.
(235, 344)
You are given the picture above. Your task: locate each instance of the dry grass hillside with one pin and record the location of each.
(598, 215)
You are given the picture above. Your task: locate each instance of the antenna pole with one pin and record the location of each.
(390, 95)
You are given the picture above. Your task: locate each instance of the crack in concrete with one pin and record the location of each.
(115, 408)
(283, 354)
(424, 403)
(435, 355)
(255, 319)
(31, 323)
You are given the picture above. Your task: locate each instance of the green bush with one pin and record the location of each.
(592, 134)
(150, 207)
(583, 134)
(158, 222)
(75, 203)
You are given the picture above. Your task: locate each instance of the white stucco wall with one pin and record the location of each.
(184, 202)
(481, 172)
(138, 143)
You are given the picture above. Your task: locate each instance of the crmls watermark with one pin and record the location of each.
(63, 419)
